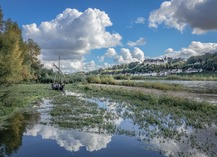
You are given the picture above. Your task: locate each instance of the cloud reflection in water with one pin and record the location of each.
(71, 140)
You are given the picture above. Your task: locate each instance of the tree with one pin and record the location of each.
(18, 59)
(10, 53)
(32, 64)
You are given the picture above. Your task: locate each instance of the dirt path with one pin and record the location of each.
(211, 98)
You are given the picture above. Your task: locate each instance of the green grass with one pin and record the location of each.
(203, 76)
(160, 117)
(72, 112)
(17, 97)
(154, 85)
(193, 77)
(196, 114)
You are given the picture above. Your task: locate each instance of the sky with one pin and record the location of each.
(93, 34)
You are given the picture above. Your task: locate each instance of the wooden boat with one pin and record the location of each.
(58, 81)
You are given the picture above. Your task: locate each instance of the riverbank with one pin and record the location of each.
(200, 97)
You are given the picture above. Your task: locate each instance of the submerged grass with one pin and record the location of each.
(72, 112)
(162, 117)
(196, 114)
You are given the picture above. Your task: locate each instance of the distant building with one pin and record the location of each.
(158, 61)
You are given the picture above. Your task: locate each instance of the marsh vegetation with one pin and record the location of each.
(169, 126)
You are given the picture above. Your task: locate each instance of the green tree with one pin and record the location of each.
(10, 53)
(18, 59)
(32, 64)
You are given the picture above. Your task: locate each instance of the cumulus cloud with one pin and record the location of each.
(140, 20)
(69, 66)
(194, 49)
(125, 55)
(139, 42)
(200, 15)
(72, 34)
(71, 140)
(111, 52)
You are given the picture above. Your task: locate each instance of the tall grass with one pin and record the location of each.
(183, 76)
(104, 79)
(192, 77)
(153, 85)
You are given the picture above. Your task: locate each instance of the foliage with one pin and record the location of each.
(11, 136)
(18, 59)
(207, 62)
(104, 79)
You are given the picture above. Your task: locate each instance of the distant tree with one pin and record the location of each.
(30, 54)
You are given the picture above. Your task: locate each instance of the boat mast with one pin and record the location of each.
(58, 70)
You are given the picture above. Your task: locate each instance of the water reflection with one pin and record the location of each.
(71, 140)
(11, 135)
(153, 129)
(172, 136)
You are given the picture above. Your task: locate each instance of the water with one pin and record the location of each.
(33, 134)
(36, 137)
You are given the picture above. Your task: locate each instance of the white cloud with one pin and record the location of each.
(69, 66)
(110, 52)
(72, 34)
(194, 49)
(200, 15)
(126, 56)
(71, 140)
(140, 20)
(138, 54)
(139, 42)
(90, 66)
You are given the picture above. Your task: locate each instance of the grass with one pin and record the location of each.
(195, 77)
(17, 97)
(203, 76)
(154, 85)
(157, 116)
(161, 117)
(72, 112)
(178, 108)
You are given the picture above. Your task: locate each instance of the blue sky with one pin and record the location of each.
(90, 34)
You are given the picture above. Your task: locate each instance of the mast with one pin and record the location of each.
(58, 70)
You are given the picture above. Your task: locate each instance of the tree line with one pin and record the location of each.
(18, 58)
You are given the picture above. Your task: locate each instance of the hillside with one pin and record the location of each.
(205, 63)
